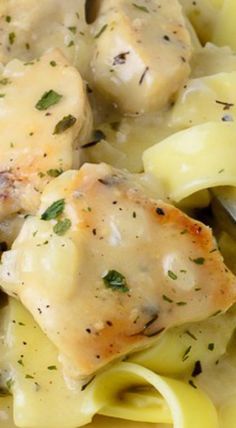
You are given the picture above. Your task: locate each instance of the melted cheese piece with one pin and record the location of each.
(29, 147)
(172, 273)
(141, 50)
(40, 25)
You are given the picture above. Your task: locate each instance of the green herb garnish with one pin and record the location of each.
(142, 8)
(186, 353)
(54, 210)
(101, 31)
(48, 99)
(64, 124)
(116, 281)
(62, 226)
(167, 299)
(198, 261)
(72, 29)
(27, 376)
(190, 334)
(211, 347)
(54, 172)
(11, 38)
(172, 275)
(52, 367)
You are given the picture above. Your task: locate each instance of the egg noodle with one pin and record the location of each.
(187, 377)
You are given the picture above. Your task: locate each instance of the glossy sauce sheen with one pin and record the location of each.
(172, 269)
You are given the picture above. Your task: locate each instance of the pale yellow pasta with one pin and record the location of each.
(194, 159)
(168, 357)
(36, 380)
(185, 413)
(211, 59)
(211, 98)
(37, 386)
(224, 29)
(202, 14)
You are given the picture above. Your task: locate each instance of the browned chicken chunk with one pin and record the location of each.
(104, 269)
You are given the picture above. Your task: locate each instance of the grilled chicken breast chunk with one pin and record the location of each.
(44, 116)
(142, 49)
(30, 27)
(104, 269)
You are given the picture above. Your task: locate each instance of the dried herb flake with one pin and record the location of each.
(54, 210)
(48, 99)
(116, 281)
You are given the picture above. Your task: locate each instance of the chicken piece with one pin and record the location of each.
(142, 52)
(44, 116)
(29, 27)
(104, 269)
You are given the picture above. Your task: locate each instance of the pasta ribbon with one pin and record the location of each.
(39, 391)
(224, 28)
(178, 349)
(197, 158)
(188, 405)
(211, 98)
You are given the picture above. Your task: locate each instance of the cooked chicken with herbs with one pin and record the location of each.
(104, 269)
(44, 118)
(142, 50)
(28, 28)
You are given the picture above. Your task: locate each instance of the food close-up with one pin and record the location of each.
(117, 214)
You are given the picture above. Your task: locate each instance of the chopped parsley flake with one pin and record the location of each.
(72, 29)
(52, 367)
(62, 226)
(54, 172)
(141, 8)
(167, 299)
(53, 63)
(211, 346)
(186, 353)
(101, 31)
(116, 281)
(54, 210)
(64, 124)
(198, 261)
(8, 18)
(172, 275)
(190, 334)
(11, 38)
(48, 99)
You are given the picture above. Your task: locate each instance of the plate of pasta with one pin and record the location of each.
(117, 213)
